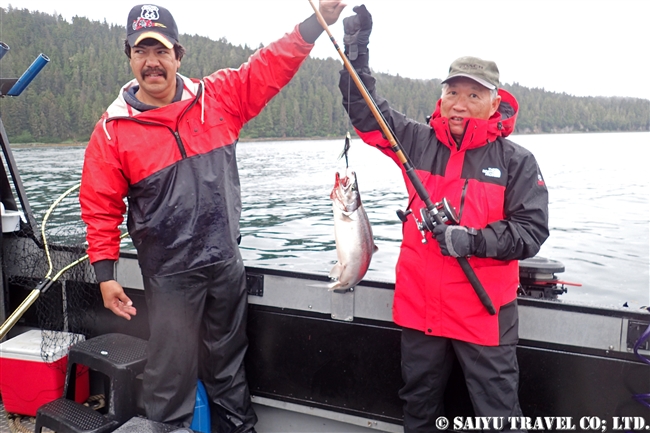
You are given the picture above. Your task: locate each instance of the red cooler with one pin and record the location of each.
(27, 382)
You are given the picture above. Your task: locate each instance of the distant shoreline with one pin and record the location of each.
(257, 140)
(242, 140)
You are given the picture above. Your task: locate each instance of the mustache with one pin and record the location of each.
(155, 70)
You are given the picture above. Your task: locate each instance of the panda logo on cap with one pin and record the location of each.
(150, 12)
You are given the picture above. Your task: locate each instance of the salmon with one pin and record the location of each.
(354, 242)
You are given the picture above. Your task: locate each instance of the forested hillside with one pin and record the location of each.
(88, 66)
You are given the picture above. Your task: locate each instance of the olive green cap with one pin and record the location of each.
(484, 72)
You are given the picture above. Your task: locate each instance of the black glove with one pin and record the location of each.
(357, 29)
(455, 241)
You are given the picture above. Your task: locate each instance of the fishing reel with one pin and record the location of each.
(441, 213)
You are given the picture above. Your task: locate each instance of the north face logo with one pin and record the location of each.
(492, 172)
(471, 66)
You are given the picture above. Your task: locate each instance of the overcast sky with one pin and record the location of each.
(581, 47)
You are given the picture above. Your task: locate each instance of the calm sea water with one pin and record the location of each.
(599, 206)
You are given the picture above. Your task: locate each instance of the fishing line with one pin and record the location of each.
(347, 136)
(346, 146)
(344, 153)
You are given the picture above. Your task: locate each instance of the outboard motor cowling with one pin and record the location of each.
(538, 278)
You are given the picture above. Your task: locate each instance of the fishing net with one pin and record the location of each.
(34, 256)
(43, 248)
(47, 279)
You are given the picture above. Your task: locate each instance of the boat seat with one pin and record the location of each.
(119, 358)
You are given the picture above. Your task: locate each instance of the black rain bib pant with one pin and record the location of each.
(198, 331)
(491, 374)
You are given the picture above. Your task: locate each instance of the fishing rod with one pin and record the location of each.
(432, 215)
(48, 280)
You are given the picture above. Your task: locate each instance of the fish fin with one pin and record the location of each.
(345, 216)
(336, 271)
(335, 274)
(320, 285)
(338, 287)
(375, 248)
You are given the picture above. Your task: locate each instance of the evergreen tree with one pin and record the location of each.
(88, 67)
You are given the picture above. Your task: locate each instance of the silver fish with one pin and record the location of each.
(354, 243)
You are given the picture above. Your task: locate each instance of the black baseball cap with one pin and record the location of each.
(151, 21)
(484, 72)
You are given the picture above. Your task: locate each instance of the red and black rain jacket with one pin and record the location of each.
(495, 186)
(177, 167)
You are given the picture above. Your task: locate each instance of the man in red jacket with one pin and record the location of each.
(167, 143)
(462, 155)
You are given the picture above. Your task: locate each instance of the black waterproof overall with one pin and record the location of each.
(198, 331)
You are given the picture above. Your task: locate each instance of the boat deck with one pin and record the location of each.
(271, 420)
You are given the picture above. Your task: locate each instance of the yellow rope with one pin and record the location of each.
(47, 280)
(25, 424)
(47, 215)
(16, 423)
(47, 249)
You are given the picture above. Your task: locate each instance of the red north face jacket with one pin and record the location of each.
(176, 165)
(494, 185)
